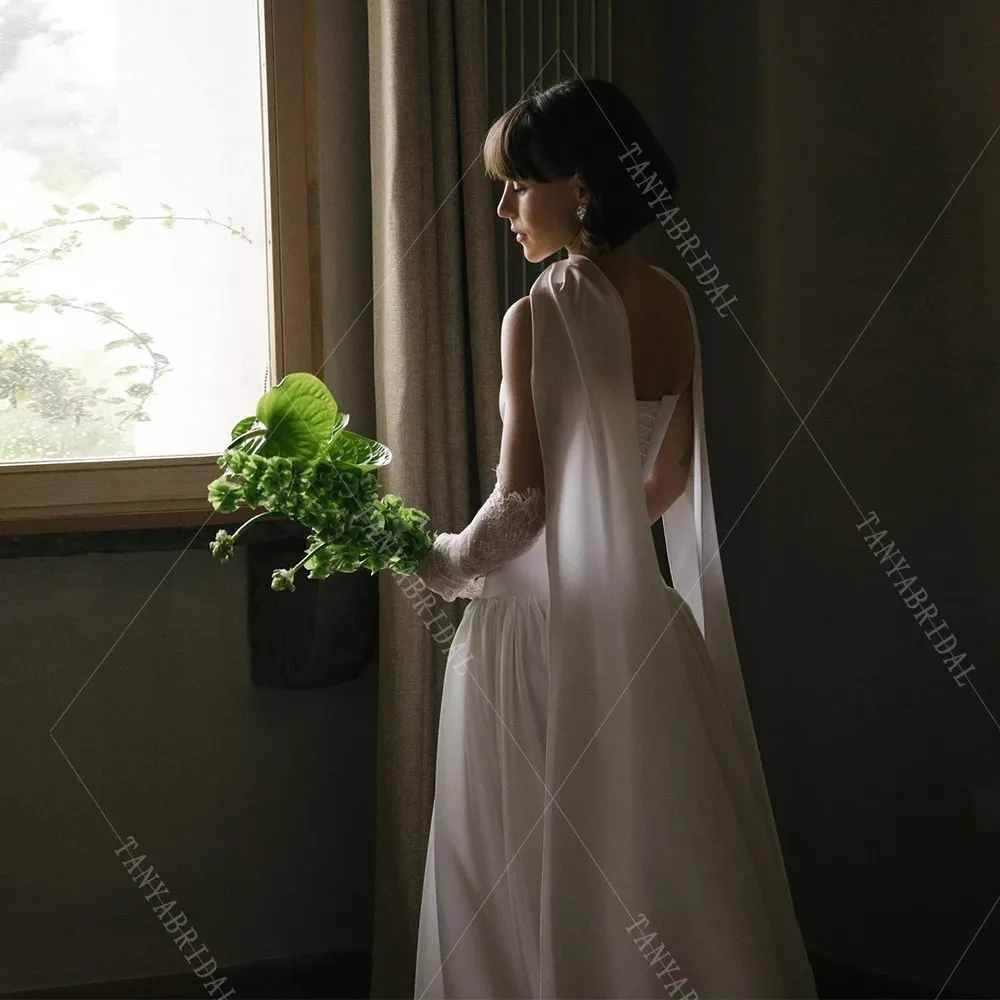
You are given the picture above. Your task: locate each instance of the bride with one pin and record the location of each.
(601, 825)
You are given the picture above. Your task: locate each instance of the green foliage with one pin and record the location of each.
(299, 415)
(62, 123)
(28, 436)
(54, 392)
(158, 365)
(295, 460)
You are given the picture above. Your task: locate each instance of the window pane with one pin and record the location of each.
(150, 114)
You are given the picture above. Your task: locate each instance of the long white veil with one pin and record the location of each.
(661, 818)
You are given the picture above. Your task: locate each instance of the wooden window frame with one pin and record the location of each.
(132, 493)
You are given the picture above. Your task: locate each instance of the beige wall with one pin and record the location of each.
(256, 806)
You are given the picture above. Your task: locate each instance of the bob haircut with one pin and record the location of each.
(584, 127)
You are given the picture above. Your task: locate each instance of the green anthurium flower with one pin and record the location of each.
(299, 414)
(295, 459)
(354, 450)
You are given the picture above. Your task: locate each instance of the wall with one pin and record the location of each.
(256, 806)
(816, 146)
(815, 150)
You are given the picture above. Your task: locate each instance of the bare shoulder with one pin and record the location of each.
(515, 330)
(519, 312)
(515, 341)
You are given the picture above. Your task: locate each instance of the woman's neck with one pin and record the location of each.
(623, 262)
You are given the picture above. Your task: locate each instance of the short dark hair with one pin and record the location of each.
(583, 126)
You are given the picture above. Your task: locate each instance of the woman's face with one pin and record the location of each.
(544, 214)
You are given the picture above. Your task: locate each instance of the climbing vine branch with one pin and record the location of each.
(24, 365)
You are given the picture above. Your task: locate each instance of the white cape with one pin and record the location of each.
(661, 820)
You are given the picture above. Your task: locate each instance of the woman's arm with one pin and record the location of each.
(514, 513)
(668, 478)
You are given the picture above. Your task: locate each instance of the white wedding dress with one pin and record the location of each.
(656, 869)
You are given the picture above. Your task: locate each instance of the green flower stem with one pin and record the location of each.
(246, 524)
(306, 558)
(253, 432)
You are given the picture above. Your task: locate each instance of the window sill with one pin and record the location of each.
(186, 529)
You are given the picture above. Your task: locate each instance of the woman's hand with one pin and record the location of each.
(436, 574)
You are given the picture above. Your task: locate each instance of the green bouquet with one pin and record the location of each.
(295, 459)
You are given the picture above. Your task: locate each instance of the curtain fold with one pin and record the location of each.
(436, 317)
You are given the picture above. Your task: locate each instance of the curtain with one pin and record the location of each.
(816, 145)
(436, 317)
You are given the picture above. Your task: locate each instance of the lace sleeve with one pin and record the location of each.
(505, 526)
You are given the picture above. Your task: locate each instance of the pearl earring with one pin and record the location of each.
(581, 211)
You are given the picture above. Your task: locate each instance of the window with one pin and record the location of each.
(155, 248)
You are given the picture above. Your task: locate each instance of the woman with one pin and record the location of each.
(601, 825)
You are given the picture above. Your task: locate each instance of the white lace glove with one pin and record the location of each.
(505, 526)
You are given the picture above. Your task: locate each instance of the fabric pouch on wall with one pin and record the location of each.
(322, 633)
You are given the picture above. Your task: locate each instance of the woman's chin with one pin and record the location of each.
(532, 254)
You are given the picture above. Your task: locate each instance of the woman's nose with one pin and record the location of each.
(503, 206)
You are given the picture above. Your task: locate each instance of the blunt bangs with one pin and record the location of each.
(585, 127)
(513, 148)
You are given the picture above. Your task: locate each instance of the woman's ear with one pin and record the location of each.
(579, 188)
